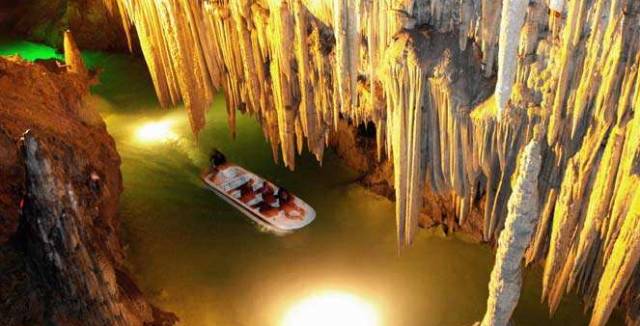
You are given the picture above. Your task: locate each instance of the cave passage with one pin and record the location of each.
(197, 256)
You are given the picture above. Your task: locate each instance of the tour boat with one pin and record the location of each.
(267, 204)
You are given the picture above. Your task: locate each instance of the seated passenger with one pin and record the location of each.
(246, 191)
(287, 203)
(247, 196)
(267, 193)
(267, 210)
(217, 162)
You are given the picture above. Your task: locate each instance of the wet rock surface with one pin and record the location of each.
(61, 258)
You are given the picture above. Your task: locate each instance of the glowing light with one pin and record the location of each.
(156, 132)
(332, 308)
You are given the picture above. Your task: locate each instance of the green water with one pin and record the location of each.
(194, 255)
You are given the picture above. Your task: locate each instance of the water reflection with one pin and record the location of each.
(156, 131)
(332, 308)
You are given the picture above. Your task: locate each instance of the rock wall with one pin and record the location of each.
(44, 21)
(419, 71)
(61, 259)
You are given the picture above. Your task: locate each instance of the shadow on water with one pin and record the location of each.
(196, 256)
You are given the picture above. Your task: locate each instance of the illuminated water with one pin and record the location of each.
(194, 255)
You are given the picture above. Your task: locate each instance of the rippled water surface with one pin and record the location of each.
(195, 255)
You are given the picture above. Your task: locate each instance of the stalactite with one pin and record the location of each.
(506, 279)
(404, 80)
(565, 222)
(570, 37)
(238, 8)
(282, 42)
(308, 115)
(513, 13)
(489, 30)
(346, 31)
(624, 259)
(418, 70)
(466, 16)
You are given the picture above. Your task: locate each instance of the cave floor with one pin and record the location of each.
(195, 255)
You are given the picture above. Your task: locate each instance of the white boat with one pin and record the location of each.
(265, 203)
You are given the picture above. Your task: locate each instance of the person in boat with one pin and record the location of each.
(267, 210)
(267, 193)
(217, 160)
(246, 191)
(265, 206)
(288, 205)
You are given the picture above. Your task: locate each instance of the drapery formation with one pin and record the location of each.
(404, 83)
(419, 71)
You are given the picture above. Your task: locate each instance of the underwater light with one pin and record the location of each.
(332, 308)
(155, 132)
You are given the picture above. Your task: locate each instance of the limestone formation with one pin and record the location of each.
(512, 18)
(404, 79)
(522, 217)
(418, 70)
(73, 57)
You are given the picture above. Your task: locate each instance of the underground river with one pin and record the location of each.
(195, 255)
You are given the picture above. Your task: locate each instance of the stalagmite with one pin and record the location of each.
(513, 13)
(72, 56)
(506, 279)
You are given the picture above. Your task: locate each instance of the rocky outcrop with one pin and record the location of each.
(46, 99)
(45, 21)
(61, 258)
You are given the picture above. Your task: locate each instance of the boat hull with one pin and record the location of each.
(259, 199)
